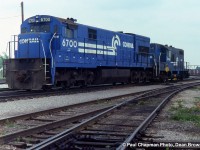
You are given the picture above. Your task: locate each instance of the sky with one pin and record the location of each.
(171, 22)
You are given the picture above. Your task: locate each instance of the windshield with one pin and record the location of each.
(40, 28)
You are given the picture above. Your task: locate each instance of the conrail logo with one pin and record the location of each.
(28, 40)
(116, 42)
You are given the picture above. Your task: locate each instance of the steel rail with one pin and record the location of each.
(59, 137)
(44, 112)
(72, 130)
(7, 94)
(11, 94)
(150, 118)
(10, 137)
(47, 126)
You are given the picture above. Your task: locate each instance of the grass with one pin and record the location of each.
(180, 113)
(144, 102)
(196, 88)
(9, 124)
(141, 103)
(185, 114)
(197, 99)
(1, 133)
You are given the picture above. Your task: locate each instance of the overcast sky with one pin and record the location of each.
(172, 22)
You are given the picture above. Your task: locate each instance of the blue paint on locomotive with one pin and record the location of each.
(69, 44)
(168, 56)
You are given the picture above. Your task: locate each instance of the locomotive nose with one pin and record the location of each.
(34, 45)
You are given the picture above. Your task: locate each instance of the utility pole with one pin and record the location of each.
(22, 10)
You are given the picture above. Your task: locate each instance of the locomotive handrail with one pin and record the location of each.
(9, 48)
(45, 60)
(52, 61)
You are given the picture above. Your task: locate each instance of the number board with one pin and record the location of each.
(43, 19)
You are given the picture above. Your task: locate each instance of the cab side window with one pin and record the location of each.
(92, 34)
(56, 29)
(68, 33)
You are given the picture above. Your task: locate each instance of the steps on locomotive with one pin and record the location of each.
(47, 72)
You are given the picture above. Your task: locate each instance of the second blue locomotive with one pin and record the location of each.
(60, 52)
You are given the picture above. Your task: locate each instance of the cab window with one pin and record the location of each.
(69, 33)
(56, 29)
(24, 30)
(92, 34)
(40, 28)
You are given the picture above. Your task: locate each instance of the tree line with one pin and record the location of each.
(2, 58)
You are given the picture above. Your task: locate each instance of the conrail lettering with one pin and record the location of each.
(29, 40)
(128, 45)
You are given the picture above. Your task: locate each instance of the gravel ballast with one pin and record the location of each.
(175, 130)
(19, 107)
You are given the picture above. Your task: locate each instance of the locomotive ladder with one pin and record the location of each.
(47, 73)
(46, 66)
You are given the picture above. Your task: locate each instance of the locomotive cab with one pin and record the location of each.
(31, 67)
(160, 60)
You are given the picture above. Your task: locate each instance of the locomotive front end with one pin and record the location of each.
(24, 73)
(31, 64)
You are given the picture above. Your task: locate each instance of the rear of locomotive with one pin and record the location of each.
(30, 68)
(178, 65)
(169, 62)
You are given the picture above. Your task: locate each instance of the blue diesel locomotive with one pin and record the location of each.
(53, 51)
(170, 62)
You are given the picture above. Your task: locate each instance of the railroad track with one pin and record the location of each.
(46, 116)
(122, 123)
(39, 121)
(59, 118)
(21, 127)
(13, 95)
